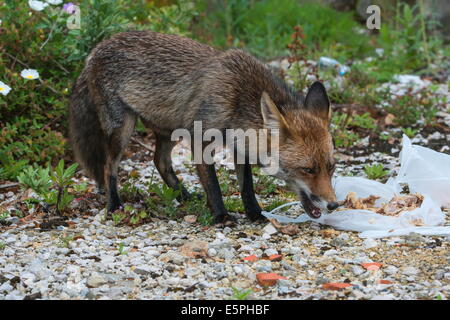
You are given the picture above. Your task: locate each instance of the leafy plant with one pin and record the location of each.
(121, 249)
(375, 171)
(410, 132)
(36, 178)
(118, 217)
(62, 179)
(164, 200)
(240, 294)
(64, 240)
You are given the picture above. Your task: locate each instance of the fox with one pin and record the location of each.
(169, 82)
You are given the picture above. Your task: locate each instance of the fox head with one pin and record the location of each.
(305, 147)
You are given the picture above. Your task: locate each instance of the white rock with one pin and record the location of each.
(390, 270)
(270, 229)
(370, 243)
(410, 271)
(270, 251)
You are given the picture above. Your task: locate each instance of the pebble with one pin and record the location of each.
(96, 281)
(410, 271)
(370, 243)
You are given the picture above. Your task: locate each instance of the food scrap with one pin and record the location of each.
(394, 207)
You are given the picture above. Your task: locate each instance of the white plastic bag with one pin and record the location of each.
(424, 171)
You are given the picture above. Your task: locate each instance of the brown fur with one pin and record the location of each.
(170, 82)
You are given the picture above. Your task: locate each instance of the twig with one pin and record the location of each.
(8, 185)
(51, 31)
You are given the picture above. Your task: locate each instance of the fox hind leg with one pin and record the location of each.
(163, 162)
(117, 142)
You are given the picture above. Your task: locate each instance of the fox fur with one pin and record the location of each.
(169, 82)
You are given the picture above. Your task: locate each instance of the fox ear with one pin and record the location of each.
(272, 117)
(317, 101)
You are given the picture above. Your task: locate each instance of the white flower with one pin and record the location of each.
(54, 2)
(4, 88)
(30, 74)
(37, 5)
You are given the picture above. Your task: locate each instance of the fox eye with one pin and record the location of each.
(308, 170)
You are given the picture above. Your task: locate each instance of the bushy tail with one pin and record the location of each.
(86, 134)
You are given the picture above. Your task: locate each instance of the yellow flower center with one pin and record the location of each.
(1, 88)
(30, 77)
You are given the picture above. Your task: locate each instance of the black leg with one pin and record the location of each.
(252, 208)
(114, 202)
(208, 178)
(116, 144)
(163, 163)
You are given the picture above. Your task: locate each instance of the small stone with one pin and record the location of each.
(357, 270)
(212, 252)
(370, 243)
(95, 281)
(190, 218)
(270, 229)
(238, 269)
(390, 270)
(322, 280)
(270, 252)
(410, 271)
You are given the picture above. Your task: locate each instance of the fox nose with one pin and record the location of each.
(332, 205)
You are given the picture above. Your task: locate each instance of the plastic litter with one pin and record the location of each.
(425, 171)
(329, 62)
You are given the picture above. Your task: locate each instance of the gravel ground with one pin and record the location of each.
(91, 258)
(181, 260)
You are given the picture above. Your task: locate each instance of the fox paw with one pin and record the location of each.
(256, 216)
(225, 220)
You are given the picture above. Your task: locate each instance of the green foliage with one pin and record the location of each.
(276, 202)
(25, 140)
(164, 200)
(343, 137)
(197, 207)
(121, 249)
(410, 132)
(36, 178)
(410, 108)
(240, 294)
(265, 27)
(33, 113)
(364, 121)
(375, 171)
(234, 205)
(136, 216)
(64, 240)
(50, 185)
(118, 217)
(408, 43)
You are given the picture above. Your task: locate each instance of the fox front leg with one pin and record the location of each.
(244, 175)
(208, 178)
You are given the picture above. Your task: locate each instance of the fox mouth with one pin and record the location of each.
(312, 210)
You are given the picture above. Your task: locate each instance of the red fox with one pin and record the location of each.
(169, 82)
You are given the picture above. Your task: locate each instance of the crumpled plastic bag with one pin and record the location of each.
(425, 171)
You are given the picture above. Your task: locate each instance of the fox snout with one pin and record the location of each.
(316, 198)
